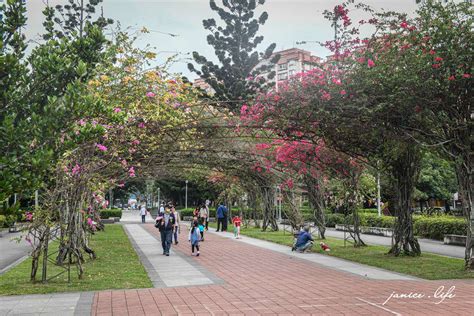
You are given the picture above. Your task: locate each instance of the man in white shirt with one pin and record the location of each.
(143, 212)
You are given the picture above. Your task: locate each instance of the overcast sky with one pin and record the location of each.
(289, 21)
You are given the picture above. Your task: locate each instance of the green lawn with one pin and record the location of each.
(427, 266)
(117, 267)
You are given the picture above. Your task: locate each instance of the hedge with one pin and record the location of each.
(111, 212)
(3, 221)
(433, 227)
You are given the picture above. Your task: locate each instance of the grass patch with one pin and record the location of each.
(427, 266)
(117, 267)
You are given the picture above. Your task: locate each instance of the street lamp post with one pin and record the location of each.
(186, 197)
(379, 211)
(159, 198)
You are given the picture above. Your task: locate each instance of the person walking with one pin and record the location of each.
(208, 214)
(177, 228)
(143, 212)
(194, 237)
(236, 221)
(203, 215)
(166, 223)
(162, 208)
(221, 217)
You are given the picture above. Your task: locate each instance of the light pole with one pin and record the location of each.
(186, 198)
(159, 198)
(379, 211)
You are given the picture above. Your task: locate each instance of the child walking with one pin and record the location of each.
(194, 236)
(236, 221)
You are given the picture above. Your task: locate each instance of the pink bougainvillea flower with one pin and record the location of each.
(466, 76)
(432, 52)
(76, 169)
(404, 25)
(117, 110)
(121, 185)
(337, 81)
(124, 163)
(451, 78)
(131, 172)
(150, 94)
(262, 146)
(361, 60)
(343, 92)
(29, 216)
(101, 147)
(370, 63)
(136, 142)
(326, 96)
(438, 59)
(82, 122)
(141, 125)
(436, 66)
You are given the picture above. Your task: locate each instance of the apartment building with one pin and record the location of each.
(292, 61)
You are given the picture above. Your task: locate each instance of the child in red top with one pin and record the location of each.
(236, 221)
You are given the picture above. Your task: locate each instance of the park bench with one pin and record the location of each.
(16, 227)
(379, 231)
(451, 239)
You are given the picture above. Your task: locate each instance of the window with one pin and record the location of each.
(282, 66)
(283, 76)
(291, 72)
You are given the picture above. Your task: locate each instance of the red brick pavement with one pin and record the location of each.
(260, 281)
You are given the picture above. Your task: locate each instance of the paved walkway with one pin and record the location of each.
(175, 270)
(257, 280)
(64, 304)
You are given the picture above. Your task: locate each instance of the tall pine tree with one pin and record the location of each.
(242, 70)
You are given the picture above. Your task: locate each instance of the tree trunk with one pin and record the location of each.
(292, 211)
(316, 202)
(405, 173)
(269, 216)
(465, 179)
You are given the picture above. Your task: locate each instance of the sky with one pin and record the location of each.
(289, 21)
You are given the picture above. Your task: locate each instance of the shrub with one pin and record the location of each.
(3, 221)
(373, 220)
(368, 211)
(435, 227)
(111, 212)
(333, 219)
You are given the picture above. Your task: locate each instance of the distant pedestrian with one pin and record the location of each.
(236, 221)
(196, 212)
(177, 227)
(143, 212)
(162, 208)
(208, 214)
(194, 237)
(166, 223)
(221, 213)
